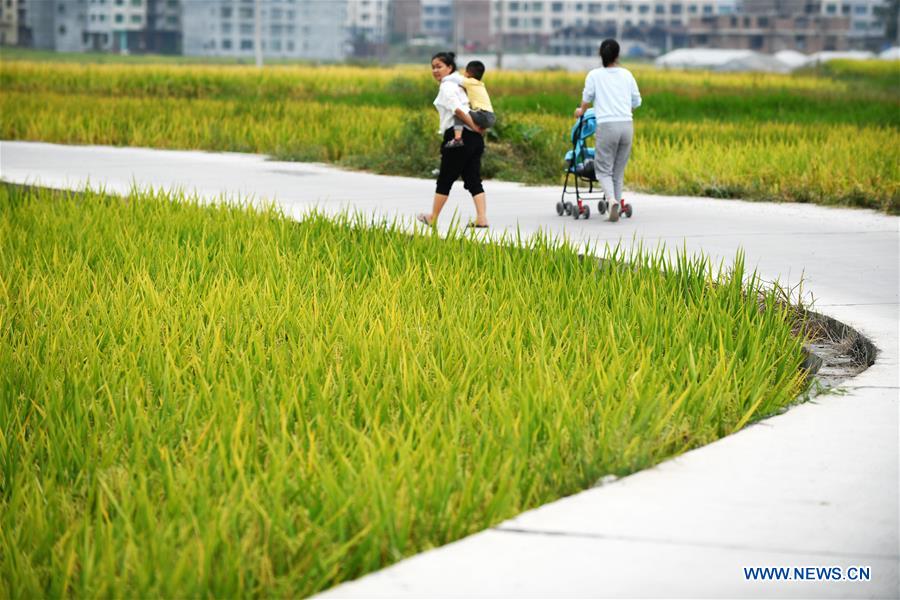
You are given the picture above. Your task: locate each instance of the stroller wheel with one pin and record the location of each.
(567, 208)
(628, 210)
(575, 212)
(601, 207)
(587, 211)
(559, 208)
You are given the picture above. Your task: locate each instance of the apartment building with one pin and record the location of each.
(369, 20)
(302, 29)
(772, 33)
(572, 27)
(108, 25)
(9, 22)
(843, 24)
(437, 19)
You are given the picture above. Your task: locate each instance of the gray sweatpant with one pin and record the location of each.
(613, 145)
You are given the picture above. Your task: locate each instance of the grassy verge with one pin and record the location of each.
(217, 401)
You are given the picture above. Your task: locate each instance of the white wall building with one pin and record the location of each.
(369, 19)
(305, 29)
(437, 19)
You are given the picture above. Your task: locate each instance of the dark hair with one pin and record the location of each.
(448, 58)
(609, 52)
(475, 69)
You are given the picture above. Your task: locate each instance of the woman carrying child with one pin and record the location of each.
(462, 159)
(615, 94)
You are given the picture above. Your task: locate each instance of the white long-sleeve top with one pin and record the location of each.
(614, 93)
(450, 96)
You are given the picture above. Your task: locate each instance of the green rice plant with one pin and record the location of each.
(219, 401)
(825, 139)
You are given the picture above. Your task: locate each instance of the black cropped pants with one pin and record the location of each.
(464, 161)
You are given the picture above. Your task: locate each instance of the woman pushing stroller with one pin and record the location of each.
(614, 93)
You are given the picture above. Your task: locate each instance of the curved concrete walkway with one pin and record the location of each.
(814, 487)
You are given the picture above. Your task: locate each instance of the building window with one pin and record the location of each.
(120, 18)
(246, 28)
(135, 2)
(226, 44)
(226, 28)
(513, 21)
(763, 21)
(246, 44)
(659, 9)
(676, 9)
(537, 22)
(226, 12)
(557, 7)
(831, 9)
(692, 9)
(61, 9)
(537, 6)
(246, 13)
(136, 19)
(557, 24)
(707, 9)
(860, 9)
(643, 9)
(62, 30)
(845, 9)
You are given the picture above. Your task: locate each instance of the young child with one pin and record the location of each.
(480, 103)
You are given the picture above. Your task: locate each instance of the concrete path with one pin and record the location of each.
(815, 487)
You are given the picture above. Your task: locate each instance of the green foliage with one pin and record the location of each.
(216, 401)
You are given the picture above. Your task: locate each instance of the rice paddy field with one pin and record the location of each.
(830, 136)
(204, 400)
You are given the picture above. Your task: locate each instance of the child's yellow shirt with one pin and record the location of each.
(478, 96)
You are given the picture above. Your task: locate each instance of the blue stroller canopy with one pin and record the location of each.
(583, 129)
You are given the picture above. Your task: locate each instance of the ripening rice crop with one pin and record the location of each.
(828, 138)
(218, 401)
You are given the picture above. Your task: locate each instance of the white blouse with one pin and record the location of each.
(614, 93)
(451, 96)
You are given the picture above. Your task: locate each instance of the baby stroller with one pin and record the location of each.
(580, 167)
